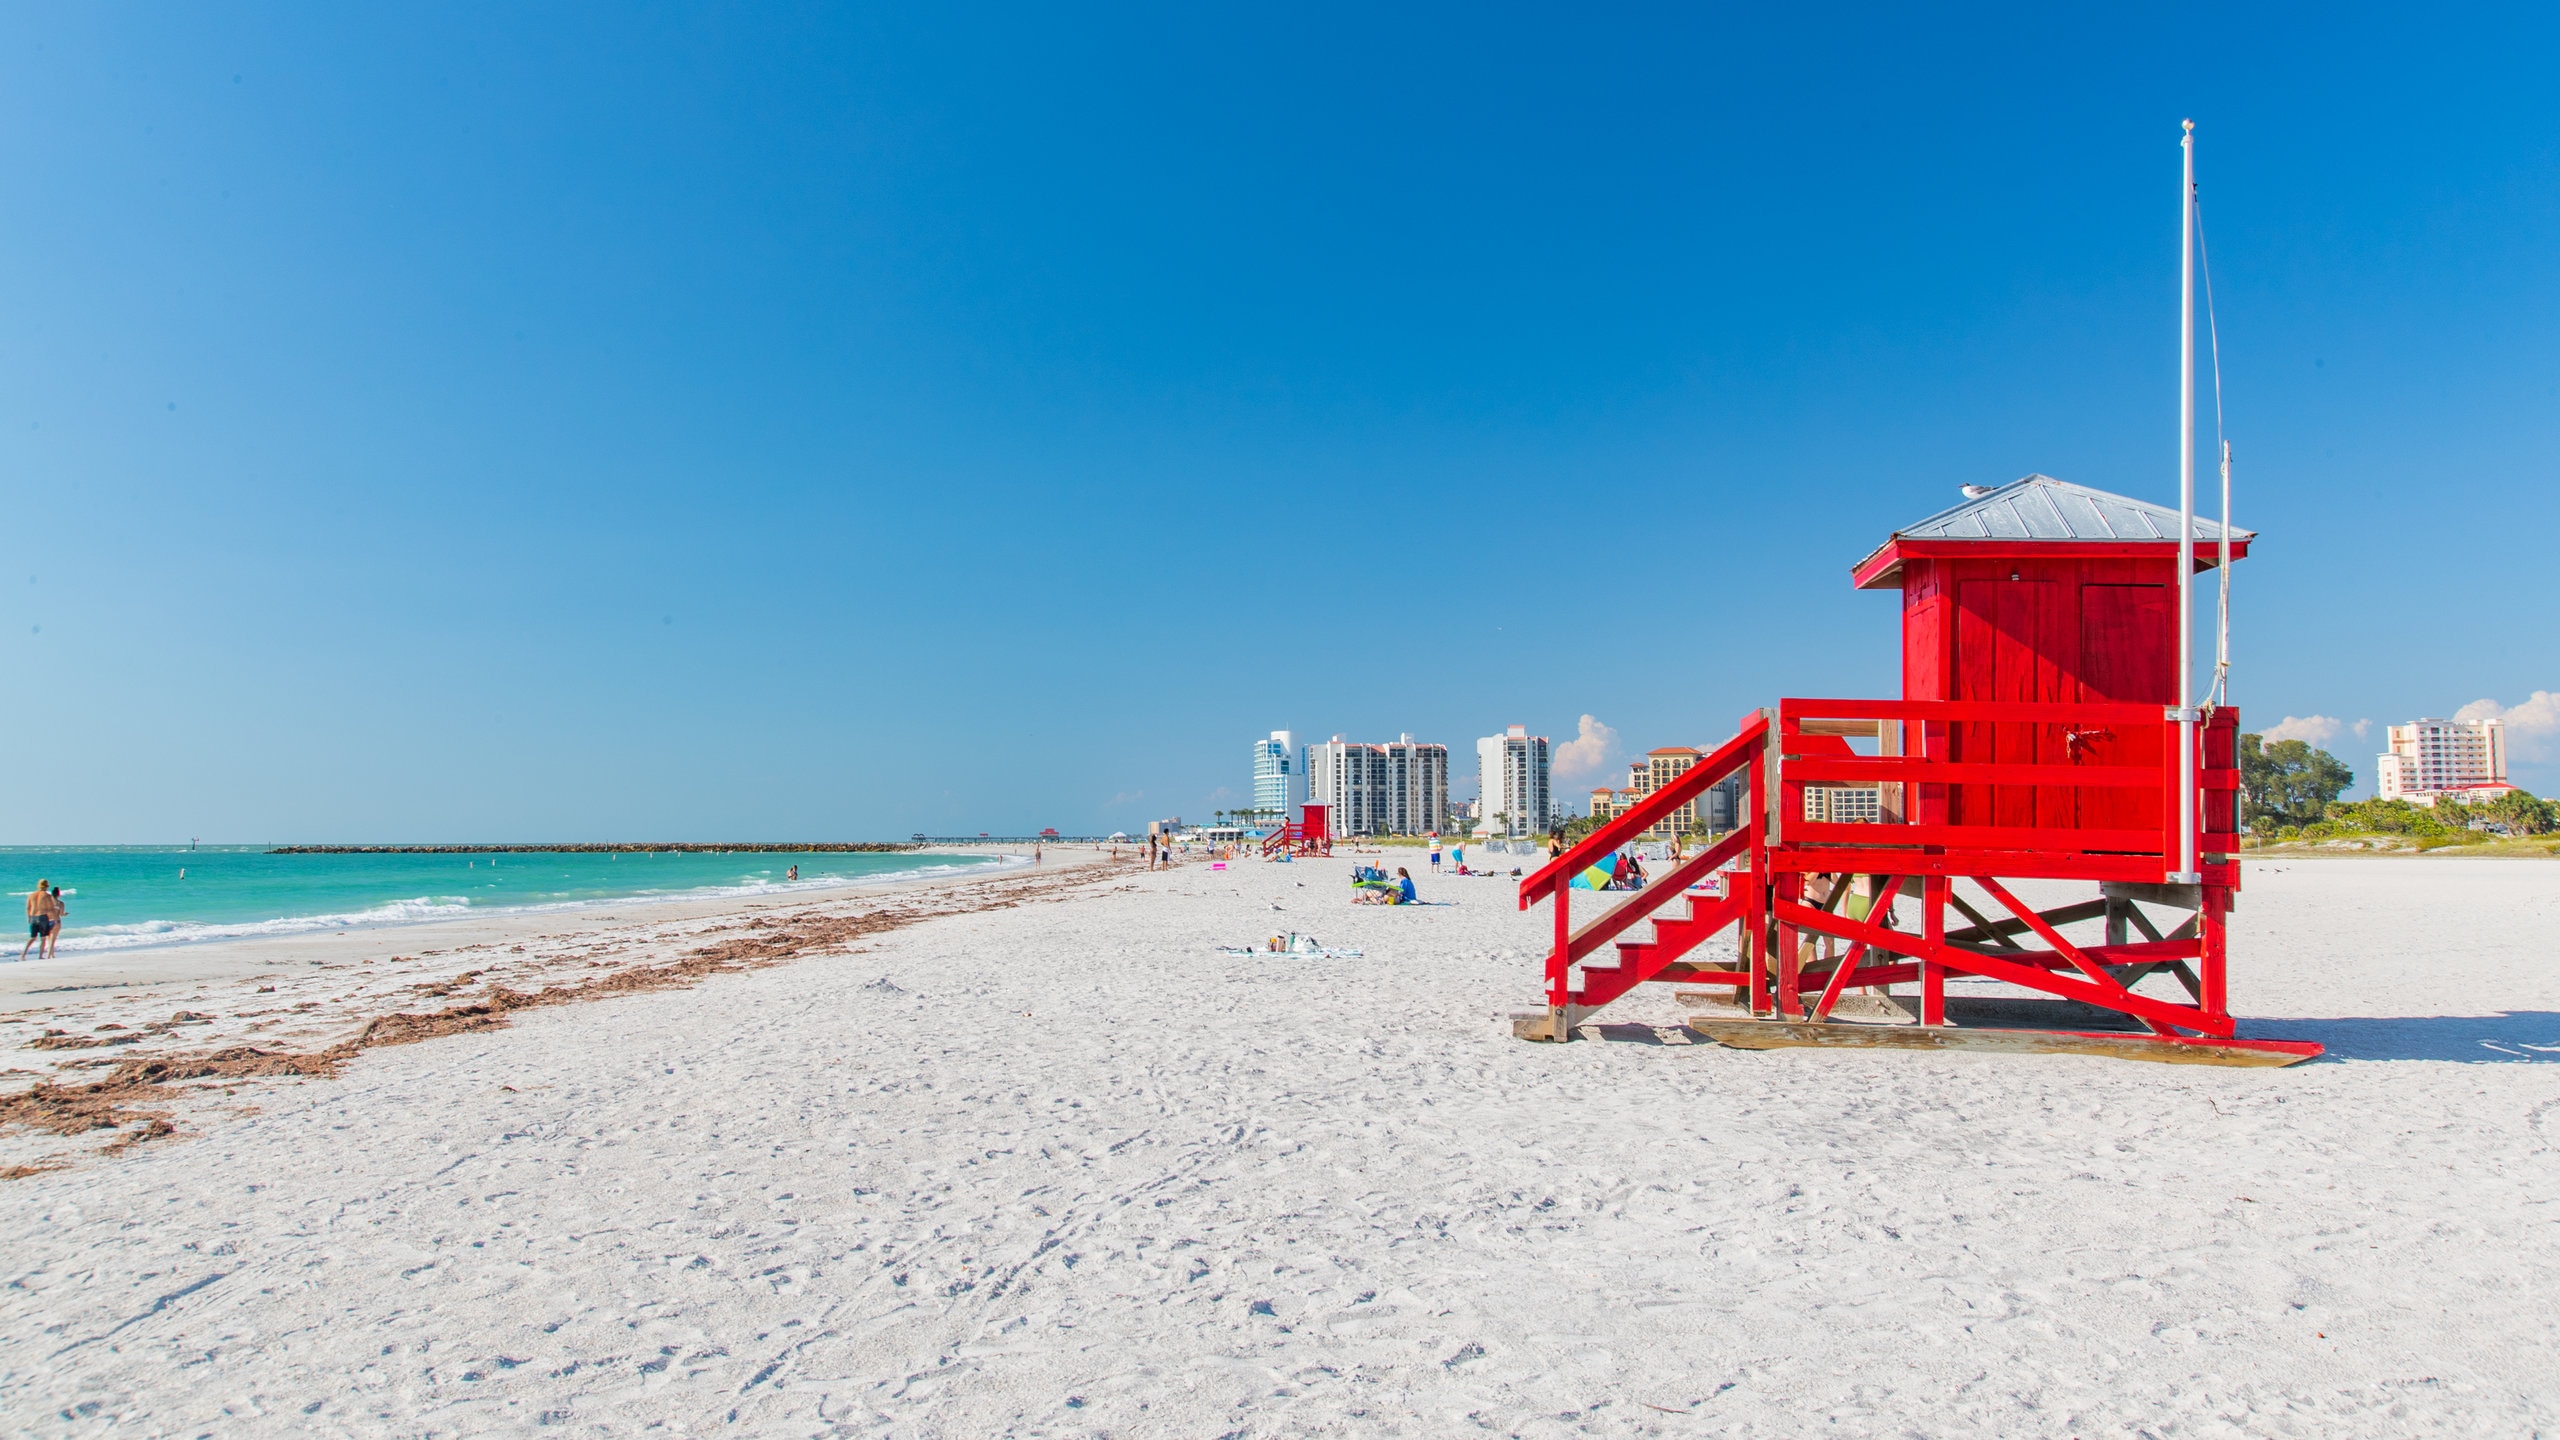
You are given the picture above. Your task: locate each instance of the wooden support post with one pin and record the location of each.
(1933, 928)
(1560, 959)
(2215, 933)
(1753, 943)
(1890, 806)
(1790, 887)
(2116, 924)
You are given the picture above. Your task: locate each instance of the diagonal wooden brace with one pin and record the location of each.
(2097, 973)
(2112, 997)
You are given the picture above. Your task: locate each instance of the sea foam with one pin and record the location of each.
(424, 908)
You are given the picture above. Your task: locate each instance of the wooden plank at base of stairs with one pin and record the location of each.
(1781, 1034)
(1553, 1025)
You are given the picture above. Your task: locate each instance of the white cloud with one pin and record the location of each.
(1591, 749)
(2533, 727)
(1125, 797)
(2362, 728)
(2316, 729)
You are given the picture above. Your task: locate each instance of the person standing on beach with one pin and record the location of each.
(1435, 854)
(39, 920)
(53, 932)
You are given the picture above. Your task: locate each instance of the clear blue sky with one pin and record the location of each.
(512, 422)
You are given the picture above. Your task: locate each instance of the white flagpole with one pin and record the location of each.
(2185, 714)
(2222, 614)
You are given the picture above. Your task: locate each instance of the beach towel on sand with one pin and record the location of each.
(1292, 943)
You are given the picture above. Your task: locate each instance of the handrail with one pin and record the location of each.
(2112, 712)
(1928, 769)
(1639, 817)
(1671, 883)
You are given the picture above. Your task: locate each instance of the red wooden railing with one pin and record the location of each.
(1953, 815)
(1933, 774)
(1556, 877)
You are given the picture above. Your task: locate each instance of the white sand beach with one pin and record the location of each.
(1026, 1155)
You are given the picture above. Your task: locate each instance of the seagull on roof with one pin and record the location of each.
(1976, 492)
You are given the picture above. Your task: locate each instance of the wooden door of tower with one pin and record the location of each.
(2012, 638)
(2128, 655)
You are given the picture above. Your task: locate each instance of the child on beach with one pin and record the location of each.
(1435, 854)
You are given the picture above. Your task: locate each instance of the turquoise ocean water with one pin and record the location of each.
(122, 897)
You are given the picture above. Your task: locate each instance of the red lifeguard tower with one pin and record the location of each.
(2037, 738)
(1306, 835)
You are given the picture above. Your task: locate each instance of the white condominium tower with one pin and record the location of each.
(1512, 769)
(1398, 789)
(1350, 781)
(1417, 787)
(2428, 757)
(1273, 789)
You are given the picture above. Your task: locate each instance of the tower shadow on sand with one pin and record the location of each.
(2510, 1037)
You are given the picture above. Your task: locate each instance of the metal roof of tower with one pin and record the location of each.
(2038, 509)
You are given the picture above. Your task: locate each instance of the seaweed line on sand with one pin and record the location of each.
(125, 1095)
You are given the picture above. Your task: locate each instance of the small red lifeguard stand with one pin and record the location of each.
(2036, 738)
(1306, 835)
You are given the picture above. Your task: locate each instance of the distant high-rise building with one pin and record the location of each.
(1725, 801)
(1395, 789)
(1512, 769)
(1417, 787)
(1274, 787)
(1350, 780)
(2430, 757)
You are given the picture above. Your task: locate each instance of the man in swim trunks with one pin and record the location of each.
(39, 920)
(53, 932)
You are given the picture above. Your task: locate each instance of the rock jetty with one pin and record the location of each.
(598, 848)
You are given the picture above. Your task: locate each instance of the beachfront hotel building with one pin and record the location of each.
(1514, 801)
(1663, 766)
(1275, 788)
(1844, 804)
(1716, 810)
(1395, 789)
(2431, 757)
